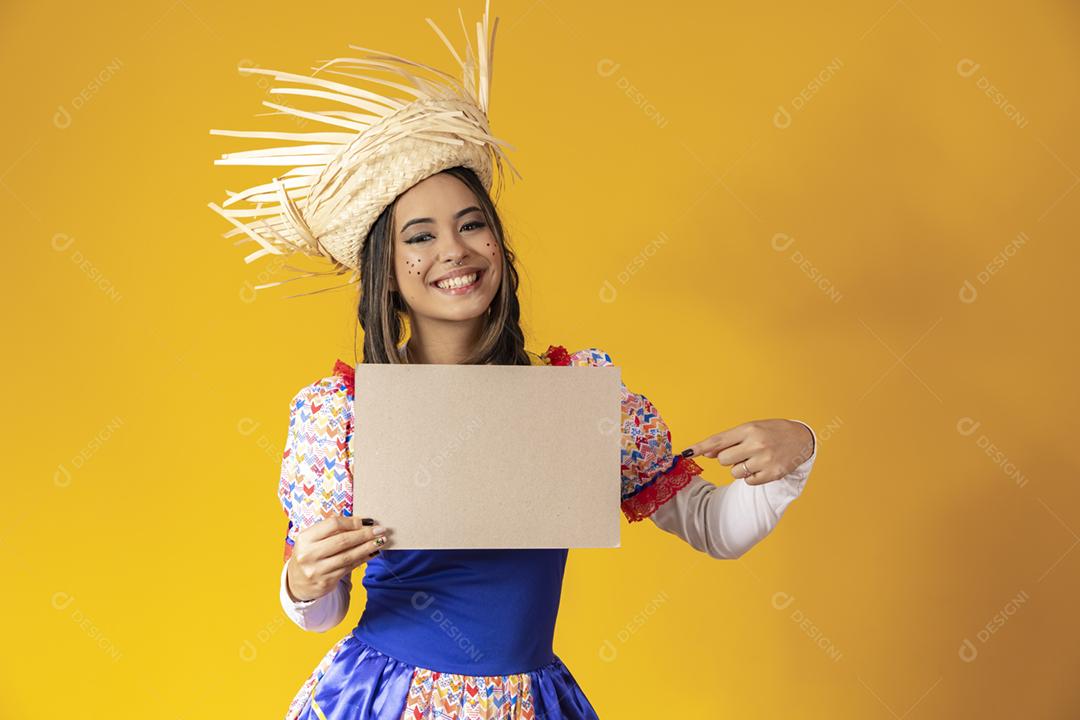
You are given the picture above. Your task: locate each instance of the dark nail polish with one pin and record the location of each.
(687, 452)
(367, 521)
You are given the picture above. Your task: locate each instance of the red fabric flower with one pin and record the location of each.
(557, 355)
(347, 373)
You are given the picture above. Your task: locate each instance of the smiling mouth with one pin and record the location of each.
(460, 285)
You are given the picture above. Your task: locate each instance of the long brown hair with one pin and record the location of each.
(383, 314)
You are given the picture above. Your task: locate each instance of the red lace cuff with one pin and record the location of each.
(662, 488)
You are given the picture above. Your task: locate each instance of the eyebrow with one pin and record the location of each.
(458, 214)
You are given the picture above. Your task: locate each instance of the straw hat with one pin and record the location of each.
(394, 132)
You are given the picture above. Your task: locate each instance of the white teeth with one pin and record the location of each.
(457, 282)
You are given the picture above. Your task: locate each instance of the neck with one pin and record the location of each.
(443, 342)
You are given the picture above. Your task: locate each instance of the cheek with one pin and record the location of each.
(491, 251)
(413, 266)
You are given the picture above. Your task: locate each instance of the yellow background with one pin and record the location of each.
(810, 267)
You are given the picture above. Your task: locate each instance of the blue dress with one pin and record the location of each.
(451, 634)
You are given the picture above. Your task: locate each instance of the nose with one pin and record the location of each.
(452, 248)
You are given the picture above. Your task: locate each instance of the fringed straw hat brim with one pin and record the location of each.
(339, 180)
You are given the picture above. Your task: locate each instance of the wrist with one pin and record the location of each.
(286, 582)
(810, 440)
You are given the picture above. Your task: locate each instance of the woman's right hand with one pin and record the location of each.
(327, 551)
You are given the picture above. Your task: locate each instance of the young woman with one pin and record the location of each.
(395, 187)
(468, 633)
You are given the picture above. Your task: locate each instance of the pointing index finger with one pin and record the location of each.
(713, 445)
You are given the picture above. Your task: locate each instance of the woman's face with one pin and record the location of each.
(439, 230)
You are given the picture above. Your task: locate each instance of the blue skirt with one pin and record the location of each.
(355, 681)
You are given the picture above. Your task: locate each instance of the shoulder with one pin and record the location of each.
(591, 356)
(559, 355)
(328, 397)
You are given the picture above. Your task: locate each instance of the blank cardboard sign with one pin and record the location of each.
(488, 456)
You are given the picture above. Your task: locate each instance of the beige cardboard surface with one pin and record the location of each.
(488, 456)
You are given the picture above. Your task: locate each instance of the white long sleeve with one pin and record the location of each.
(320, 614)
(727, 520)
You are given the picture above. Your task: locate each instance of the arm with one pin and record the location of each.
(726, 521)
(309, 490)
(320, 614)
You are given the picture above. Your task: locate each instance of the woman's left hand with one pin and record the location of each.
(761, 451)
